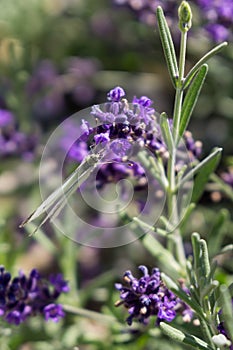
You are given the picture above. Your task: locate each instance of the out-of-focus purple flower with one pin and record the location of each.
(147, 296)
(216, 15)
(219, 18)
(6, 118)
(79, 73)
(42, 77)
(218, 32)
(145, 9)
(194, 147)
(56, 91)
(14, 143)
(25, 296)
(227, 176)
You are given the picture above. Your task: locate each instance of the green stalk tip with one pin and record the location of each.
(185, 16)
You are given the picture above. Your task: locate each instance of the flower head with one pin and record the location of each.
(147, 296)
(25, 296)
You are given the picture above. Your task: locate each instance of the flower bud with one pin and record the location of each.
(185, 16)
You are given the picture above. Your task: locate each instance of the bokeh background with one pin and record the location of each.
(58, 57)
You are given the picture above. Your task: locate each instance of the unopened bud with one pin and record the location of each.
(185, 16)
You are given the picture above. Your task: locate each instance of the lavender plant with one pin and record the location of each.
(129, 139)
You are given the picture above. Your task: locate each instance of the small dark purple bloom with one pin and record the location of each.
(59, 283)
(25, 296)
(147, 296)
(116, 94)
(53, 312)
(102, 138)
(143, 101)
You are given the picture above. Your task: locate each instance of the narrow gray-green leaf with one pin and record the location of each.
(228, 248)
(203, 175)
(162, 255)
(203, 169)
(227, 311)
(203, 60)
(216, 232)
(184, 337)
(168, 46)
(166, 131)
(205, 262)
(191, 98)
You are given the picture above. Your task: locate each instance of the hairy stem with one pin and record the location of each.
(175, 242)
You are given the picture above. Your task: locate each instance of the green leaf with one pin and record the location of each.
(227, 311)
(203, 60)
(204, 260)
(206, 168)
(217, 231)
(191, 98)
(166, 131)
(184, 337)
(168, 46)
(157, 250)
(201, 260)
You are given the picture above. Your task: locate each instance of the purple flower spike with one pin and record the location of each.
(24, 296)
(148, 296)
(116, 94)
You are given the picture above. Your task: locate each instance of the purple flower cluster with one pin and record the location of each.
(53, 92)
(14, 143)
(148, 296)
(126, 127)
(24, 296)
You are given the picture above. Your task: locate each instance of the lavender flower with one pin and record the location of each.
(14, 143)
(148, 296)
(24, 296)
(129, 127)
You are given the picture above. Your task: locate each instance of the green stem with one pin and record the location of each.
(179, 89)
(175, 241)
(89, 314)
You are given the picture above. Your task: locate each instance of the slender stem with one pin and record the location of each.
(179, 89)
(175, 241)
(89, 313)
